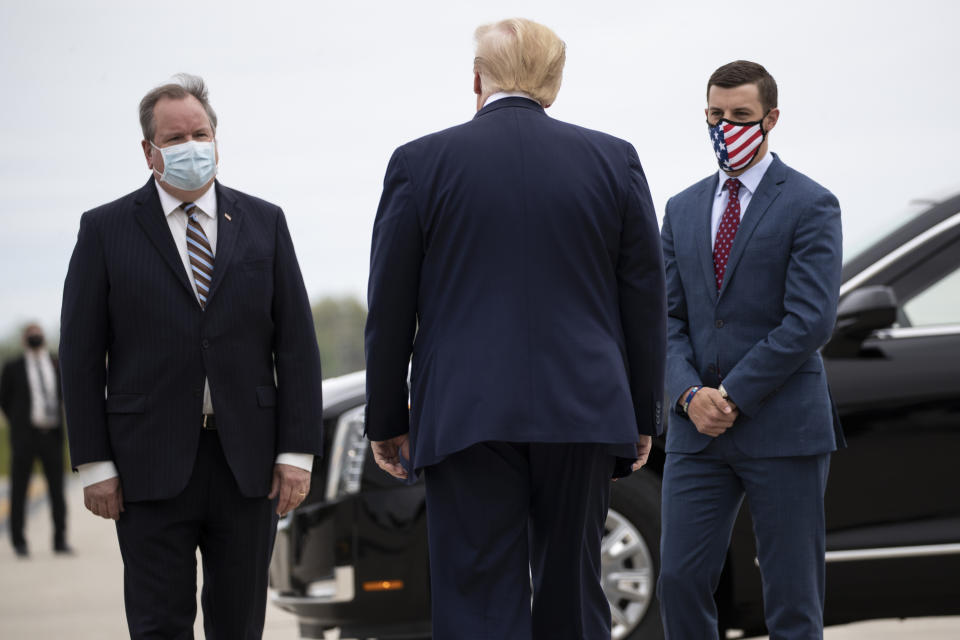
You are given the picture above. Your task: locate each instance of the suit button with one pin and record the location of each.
(712, 368)
(197, 393)
(719, 324)
(205, 344)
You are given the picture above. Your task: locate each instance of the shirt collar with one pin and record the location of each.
(750, 178)
(500, 95)
(207, 203)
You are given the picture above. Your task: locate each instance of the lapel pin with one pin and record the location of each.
(227, 216)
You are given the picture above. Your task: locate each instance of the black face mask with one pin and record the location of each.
(35, 342)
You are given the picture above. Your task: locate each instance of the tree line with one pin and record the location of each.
(339, 325)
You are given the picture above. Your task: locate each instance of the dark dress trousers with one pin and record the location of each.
(135, 349)
(516, 259)
(27, 444)
(759, 336)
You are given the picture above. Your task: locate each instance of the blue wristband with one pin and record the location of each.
(686, 401)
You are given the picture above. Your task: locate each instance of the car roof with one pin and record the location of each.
(937, 213)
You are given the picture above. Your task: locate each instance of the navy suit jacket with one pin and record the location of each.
(517, 259)
(131, 324)
(760, 334)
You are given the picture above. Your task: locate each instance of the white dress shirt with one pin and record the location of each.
(499, 95)
(93, 472)
(750, 179)
(43, 389)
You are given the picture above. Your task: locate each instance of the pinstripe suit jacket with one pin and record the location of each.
(127, 304)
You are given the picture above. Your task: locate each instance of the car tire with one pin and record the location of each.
(631, 557)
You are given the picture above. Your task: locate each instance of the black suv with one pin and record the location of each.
(354, 555)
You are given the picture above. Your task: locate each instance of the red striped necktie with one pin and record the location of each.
(727, 230)
(201, 255)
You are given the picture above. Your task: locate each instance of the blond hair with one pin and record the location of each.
(520, 55)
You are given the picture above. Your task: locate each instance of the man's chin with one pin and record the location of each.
(184, 194)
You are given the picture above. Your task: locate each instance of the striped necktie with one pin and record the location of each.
(201, 255)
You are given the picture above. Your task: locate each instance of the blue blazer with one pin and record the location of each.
(127, 302)
(517, 259)
(760, 334)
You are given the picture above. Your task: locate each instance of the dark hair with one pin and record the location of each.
(741, 72)
(185, 85)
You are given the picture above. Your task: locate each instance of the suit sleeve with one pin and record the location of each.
(641, 285)
(6, 390)
(811, 291)
(84, 330)
(296, 355)
(396, 256)
(681, 367)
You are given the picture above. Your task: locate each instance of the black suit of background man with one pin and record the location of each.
(30, 441)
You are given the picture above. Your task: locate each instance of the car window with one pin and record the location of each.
(938, 304)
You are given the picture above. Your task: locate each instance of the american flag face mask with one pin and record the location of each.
(736, 143)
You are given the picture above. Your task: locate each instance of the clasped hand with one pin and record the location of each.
(710, 413)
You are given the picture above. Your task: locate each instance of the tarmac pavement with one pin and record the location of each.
(80, 597)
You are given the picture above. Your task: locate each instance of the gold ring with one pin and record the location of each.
(302, 493)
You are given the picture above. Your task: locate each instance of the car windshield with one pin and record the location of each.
(862, 233)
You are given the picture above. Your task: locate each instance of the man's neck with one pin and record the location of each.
(499, 95)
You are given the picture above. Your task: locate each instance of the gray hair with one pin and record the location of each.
(184, 85)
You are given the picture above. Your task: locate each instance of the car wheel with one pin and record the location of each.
(631, 557)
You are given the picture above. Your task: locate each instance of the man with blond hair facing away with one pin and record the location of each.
(517, 260)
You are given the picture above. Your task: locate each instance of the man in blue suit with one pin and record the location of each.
(753, 259)
(185, 304)
(517, 259)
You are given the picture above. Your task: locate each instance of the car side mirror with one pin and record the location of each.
(866, 310)
(859, 314)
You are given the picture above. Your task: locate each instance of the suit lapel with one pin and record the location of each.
(229, 220)
(704, 231)
(149, 214)
(767, 192)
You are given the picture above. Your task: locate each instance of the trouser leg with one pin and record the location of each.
(477, 509)
(568, 507)
(701, 498)
(785, 496)
(20, 466)
(236, 542)
(51, 457)
(158, 542)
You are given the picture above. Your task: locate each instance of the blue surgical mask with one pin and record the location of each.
(188, 165)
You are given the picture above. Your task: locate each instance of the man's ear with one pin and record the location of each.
(147, 152)
(771, 120)
(477, 87)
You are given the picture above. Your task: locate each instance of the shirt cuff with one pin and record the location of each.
(301, 460)
(94, 472)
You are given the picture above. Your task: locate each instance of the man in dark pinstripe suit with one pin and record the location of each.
(191, 294)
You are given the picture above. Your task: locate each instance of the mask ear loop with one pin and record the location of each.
(159, 176)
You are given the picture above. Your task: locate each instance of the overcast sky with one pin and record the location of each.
(313, 97)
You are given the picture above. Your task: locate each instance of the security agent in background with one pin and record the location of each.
(30, 399)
